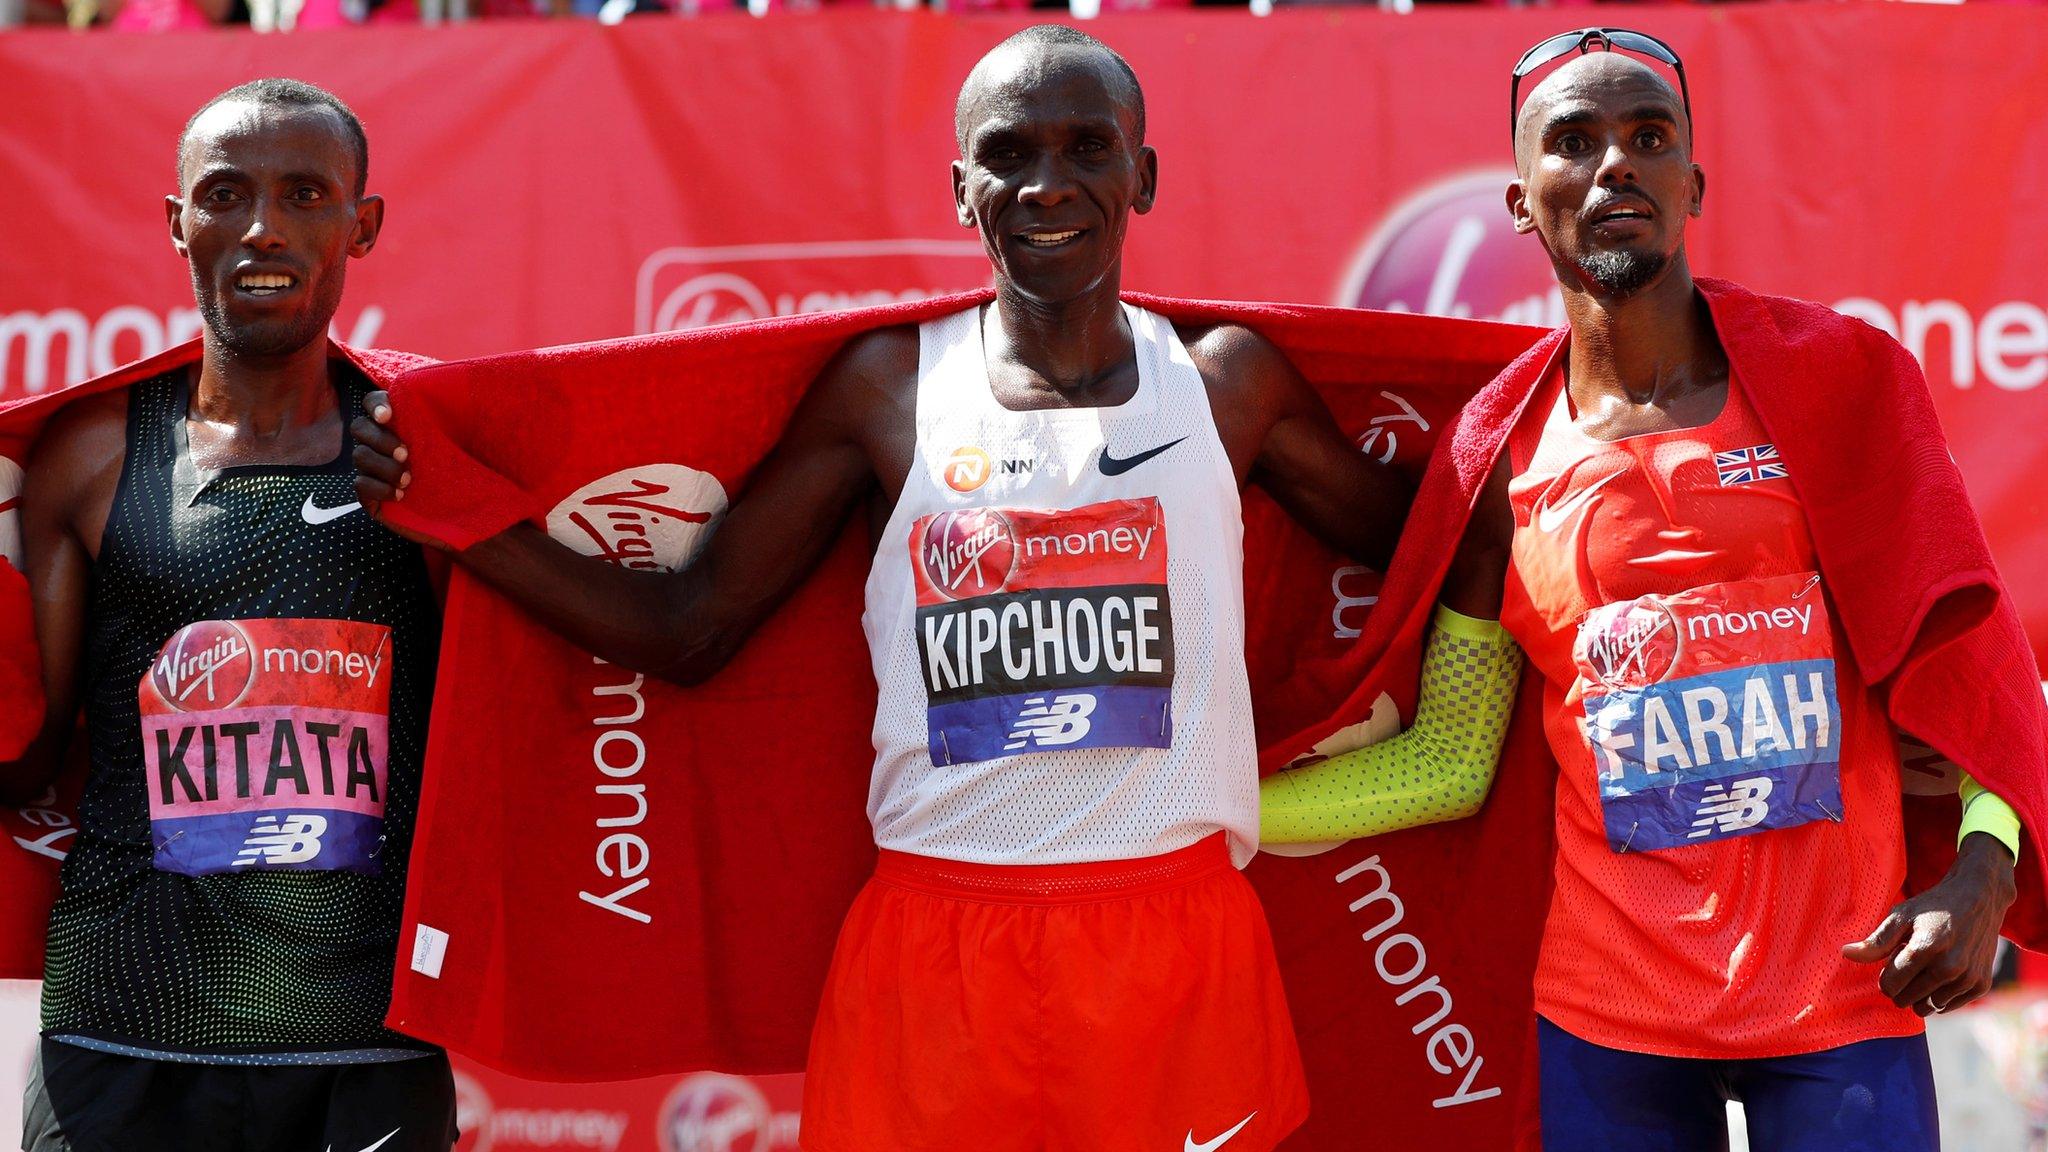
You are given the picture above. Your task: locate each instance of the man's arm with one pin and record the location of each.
(684, 626)
(71, 478)
(1281, 436)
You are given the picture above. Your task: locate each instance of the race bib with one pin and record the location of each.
(1044, 631)
(1712, 713)
(266, 743)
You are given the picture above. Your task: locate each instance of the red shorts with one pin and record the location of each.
(1129, 1004)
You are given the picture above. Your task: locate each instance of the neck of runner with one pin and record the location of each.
(1080, 349)
(1648, 348)
(263, 398)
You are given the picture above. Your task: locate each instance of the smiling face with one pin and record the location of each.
(267, 216)
(1606, 177)
(1051, 167)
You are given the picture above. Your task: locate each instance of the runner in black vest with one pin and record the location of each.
(254, 658)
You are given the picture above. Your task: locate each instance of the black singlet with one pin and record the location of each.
(237, 879)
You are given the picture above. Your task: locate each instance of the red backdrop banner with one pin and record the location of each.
(560, 182)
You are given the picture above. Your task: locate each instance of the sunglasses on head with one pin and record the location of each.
(1583, 41)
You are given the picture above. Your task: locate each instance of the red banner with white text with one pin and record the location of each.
(556, 182)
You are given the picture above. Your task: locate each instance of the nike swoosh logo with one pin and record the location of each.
(315, 514)
(1212, 1145)
(1554, 516)
(1111, 466)
(378, 1144)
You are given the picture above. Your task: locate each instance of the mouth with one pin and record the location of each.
(1048, 238)
(1621, 214)
(265, 284)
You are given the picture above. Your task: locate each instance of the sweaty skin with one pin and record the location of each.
(1606, 180)
(1052, 167)
(262, 189)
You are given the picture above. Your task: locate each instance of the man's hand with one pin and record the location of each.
(380, 456)
(1937, 948)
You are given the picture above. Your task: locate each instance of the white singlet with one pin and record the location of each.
(1056, 618)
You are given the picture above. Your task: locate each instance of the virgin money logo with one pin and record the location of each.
(714, 1112)
(683, 288)
(968, 553)
(207, 665)
(1630, 645)
(654, 517)
(1451, 250)
(10, 514)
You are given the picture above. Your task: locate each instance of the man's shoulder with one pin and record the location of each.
(84, 443)
(879, 360)
(1232, 355)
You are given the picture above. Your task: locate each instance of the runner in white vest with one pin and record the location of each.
(1056, 951)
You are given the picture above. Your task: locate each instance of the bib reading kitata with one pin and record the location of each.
(266, 743)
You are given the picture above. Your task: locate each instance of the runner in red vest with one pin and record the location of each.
(253, 657)
(1057, 950)
(1729, 805)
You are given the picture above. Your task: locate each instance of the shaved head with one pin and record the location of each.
(1035, 54)
(1587, 80)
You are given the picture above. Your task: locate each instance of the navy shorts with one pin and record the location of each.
(1873, 1096)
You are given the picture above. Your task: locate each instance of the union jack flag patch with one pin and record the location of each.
(1749, 465)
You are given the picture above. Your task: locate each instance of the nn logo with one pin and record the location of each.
(968, 468)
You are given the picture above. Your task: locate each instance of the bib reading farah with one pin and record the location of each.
(1056, 618)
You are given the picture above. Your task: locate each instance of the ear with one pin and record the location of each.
(174, 215)
(1518, 207)
(1699, 190)
(369, 222)
(1148, 180)
(961, 210)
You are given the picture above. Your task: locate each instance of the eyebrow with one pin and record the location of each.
(1582, 114)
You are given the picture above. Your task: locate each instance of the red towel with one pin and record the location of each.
(33, 840)
(731, 817)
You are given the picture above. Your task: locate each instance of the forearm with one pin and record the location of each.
(635, 619)
(1439, 769)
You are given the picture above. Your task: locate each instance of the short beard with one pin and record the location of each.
(260, 341)
(1620, 273)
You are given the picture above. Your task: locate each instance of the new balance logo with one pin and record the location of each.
(1063, 721)
(294, 841)
(1732, 807)
(312, 513)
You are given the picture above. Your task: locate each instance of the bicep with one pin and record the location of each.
(786, 519)
(1344, 497)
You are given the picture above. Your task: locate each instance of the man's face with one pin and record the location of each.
(267, 216)
(1050, 168)
(1606, 174)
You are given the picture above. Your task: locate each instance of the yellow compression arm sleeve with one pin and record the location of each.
(1985, 811)
(1437, 770)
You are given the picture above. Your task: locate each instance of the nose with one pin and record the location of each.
(1617, 165)
(262, 233)
(1046, 182)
